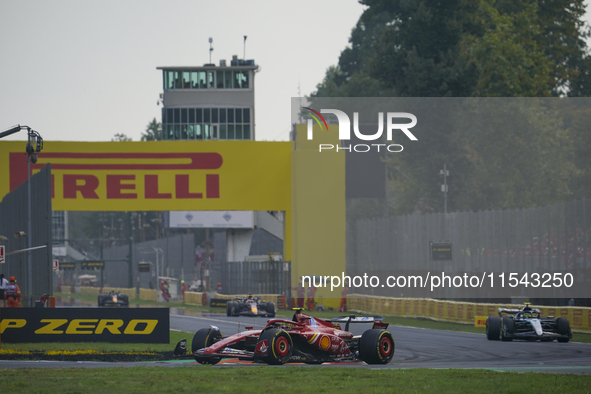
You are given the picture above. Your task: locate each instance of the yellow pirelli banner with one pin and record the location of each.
(157, 175)
(459, 312)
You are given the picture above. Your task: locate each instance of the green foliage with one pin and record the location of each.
(510, 169)
(153, 131)
(287, 379)
(419, 53)
(509, 60)
(477, 48)
(121, 137)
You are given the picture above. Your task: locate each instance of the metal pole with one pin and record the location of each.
(130, 266)
(30, 237)
(445, 174)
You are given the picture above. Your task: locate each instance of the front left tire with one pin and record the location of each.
(270, 309)
(205, 338)
(507, 329)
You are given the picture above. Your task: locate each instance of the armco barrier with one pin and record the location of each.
(193, 298)
(90, 290)
(148, 294)
(453, 311)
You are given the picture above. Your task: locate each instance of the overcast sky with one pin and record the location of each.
(86, 70)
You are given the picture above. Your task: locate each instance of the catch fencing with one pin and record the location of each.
(253, 277)
(552, 238)
(14, 216)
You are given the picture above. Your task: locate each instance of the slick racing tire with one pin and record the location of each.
(234, 308)
(563, 328)
(205, 338)
(376, 346)
(229, 308)
(507, 329)
(280, 346)
(270, 309)
(493, 328)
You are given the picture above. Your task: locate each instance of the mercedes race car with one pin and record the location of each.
(249, 306)
(304, 339)
(527, 323)
(113, 299)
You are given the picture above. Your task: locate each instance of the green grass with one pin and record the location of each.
(284, 379)
(175, 336)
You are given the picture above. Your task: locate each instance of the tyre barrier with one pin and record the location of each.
(457, 312)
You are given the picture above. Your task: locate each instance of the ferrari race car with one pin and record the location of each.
(304, 339)
(113, 299)
(527, 323)
(249, 306)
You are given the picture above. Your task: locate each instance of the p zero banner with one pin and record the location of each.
(129, 325)
(158, 175)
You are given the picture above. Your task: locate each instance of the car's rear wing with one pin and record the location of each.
(508, 311)
(512, 311)
(376, 320)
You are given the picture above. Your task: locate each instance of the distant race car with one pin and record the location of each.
(527, 323)
(304, 339)
(249, 306)
(113, 299)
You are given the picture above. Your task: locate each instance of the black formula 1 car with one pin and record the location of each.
(527, 323)
(304, 339)
(249, 306)
(113, 299)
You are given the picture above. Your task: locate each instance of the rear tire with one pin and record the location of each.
(493, 328)
(376, 346)
(205, 338)
(270, 309)
(563, 328)
(508, 328)
(229, 308)
(280, 346)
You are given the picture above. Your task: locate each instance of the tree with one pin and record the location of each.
(474, 48)
(510, 62)
(351, 77)
(121, 137)
(419, 53)
(153, 131)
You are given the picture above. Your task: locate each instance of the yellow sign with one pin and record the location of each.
(158, 175)
(480, 321)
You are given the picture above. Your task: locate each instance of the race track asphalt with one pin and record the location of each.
(415, 348)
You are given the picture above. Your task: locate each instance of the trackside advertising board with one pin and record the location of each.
(157, 175)
(129, 325)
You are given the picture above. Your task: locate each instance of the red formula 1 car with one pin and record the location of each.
(304, 339)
